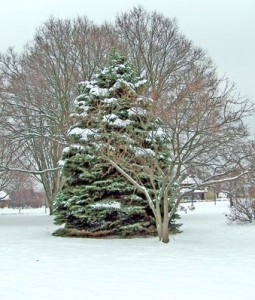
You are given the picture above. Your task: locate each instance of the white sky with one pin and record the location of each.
(224, 28)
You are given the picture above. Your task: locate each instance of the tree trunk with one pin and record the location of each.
(165, 231)
(158, 219)
(50, 205)
(159, 224)
(51, 187)
(231, 200)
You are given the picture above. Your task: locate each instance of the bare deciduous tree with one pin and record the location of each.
(203, 126)
(39, 87)
(157, 49)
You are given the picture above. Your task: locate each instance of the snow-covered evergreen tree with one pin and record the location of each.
(111, 116)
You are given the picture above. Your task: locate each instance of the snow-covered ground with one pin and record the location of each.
(211, 259)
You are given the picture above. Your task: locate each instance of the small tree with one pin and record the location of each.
(242, 211)
(242, 204)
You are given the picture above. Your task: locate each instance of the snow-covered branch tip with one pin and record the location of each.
(34, 172)
(212, 182)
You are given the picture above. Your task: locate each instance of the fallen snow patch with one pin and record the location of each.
(210, 260)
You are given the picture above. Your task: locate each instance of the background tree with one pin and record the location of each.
(11, 156)
(203, 125)
(39, 87)
(241, 194)
(157, 49)
(26, 197)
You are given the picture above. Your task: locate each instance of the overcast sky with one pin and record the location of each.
(224, 28)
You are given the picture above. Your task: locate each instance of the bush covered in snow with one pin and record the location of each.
(243, 211)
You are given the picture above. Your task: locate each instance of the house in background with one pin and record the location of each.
(204, 194)
(4, 199)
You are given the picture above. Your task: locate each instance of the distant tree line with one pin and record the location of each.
(24, 198)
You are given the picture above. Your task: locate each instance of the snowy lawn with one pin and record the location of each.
(211, 259)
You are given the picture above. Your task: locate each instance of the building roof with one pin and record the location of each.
(190, 180)
(4, 196)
